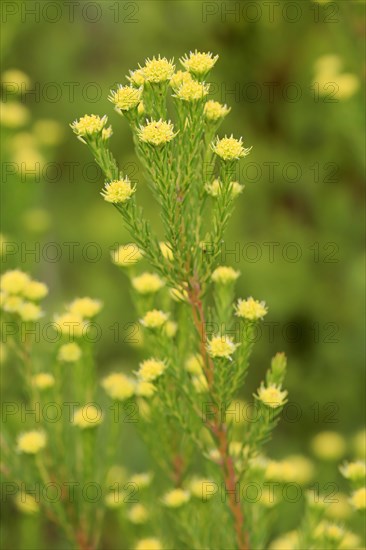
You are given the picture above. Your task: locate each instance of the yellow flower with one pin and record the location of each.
(29, 311)
(114, 500)
(88, 416)
(355, 471)
(154, 318)
(142, 480)
(85, 307)
(170, 329)
(201, 488)
(11, 303)
(118, 386)
(138, 514)
(350, 541)
(251, 309)
(200, 383)
(215, 188)
(137, 77)
(144, 389)
(192, 91)
(31, 442)
(14, 281)
(125, 98)
(340, 509)
(48, 132)
(330, 531)
(69, 353)
(199, 63)
(179, 78)
(70, 324)
(214, 110)
(221, 346)
(150, 369)
(194, 364)
(126, 254)
(293, 469)
(224, 275)
(17, 77)
(118, 191)
(149, 544)
(141, 108)
(106, 133)
(166, 251)
(13, 114)
(35, 290)
(89, 125)
(175, 498)
(43, 380)
(156, 132)
(358, 498)
(229, 148)
(328, 445)
(178, 294)
(26, 503)
(158, 70)
(272, 396)
(147, 283)
(287, 541)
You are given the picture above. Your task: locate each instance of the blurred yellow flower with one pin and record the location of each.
(154, 319)
(14, 281)
(142, 480)
(69, 324)
(31, 442)
(13, 114)
(126, 255)
(150, 369)
(43, 380)
(214, 110)
(69, 353)
(175, 498)
(35, 290)
(26, 503)
(138, 514)
(194, 364)
(118, 386)
(356, 471)
(149, 544)
(221, 346)
(85, 307)
(358, 498)
(328, 445)
(144, 388)
(88, 416)
(147, 283)
(29, 311)
(224, 275)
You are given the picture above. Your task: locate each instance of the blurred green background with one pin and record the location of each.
(292, 73)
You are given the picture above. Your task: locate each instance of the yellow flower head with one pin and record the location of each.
(224, 275)
(150, 369)
(35, 290)
(214, 110)
(251, 309)
(176, 498)
(85, 307)
(358, 498)
(329, 531)
(199, 63)
(14, 281)
(137, 78)
(166, 251)
(70, 324)
(221, 346)
(114, 500)
(272, 396)
(200, 383)
(43, 380)
(29, 311)
(179, 78)
(147, 283)
(88, 416)
(215, 188)
(138, 514)
(118, 386)
(118, 191)
(157, 132)
(142, 480)
(89, 125)
(287, 541)
(194, 364)
(170, 329)
(202, 488)
(158, 70)
(154, 319)
(11, 303)
(149, 544)
(126, 254)
(229, 148)
(69, 353)
(125, 98)
(26, 503)
(144, 389)
(31, 442)
(356, 471)
(192, 91)
(13, 114)
(106, 133)
(328, 445)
